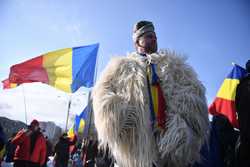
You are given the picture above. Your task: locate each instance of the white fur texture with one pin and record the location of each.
(121, 112)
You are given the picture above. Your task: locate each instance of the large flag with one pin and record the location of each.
(66, 69)
(81, 123)
(224, 102)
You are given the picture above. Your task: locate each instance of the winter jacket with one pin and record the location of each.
(23, 142)
(121, 105)
(2, 143)
(242, 102)
(62, 150)
(10, 151)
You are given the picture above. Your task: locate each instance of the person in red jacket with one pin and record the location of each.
(31, 147)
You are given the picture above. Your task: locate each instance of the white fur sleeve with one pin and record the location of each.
(187, 116)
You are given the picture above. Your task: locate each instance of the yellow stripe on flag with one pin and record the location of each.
(228, 89)
(58, 65)
(13, 85)
(81, 126)
(71, 132)
(154, 94)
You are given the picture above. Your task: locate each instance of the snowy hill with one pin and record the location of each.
(40, 101)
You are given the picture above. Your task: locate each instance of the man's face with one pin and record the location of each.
(35, 128)
(147, 43)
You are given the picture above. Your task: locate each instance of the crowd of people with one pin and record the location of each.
(30, 148)
(149, 110)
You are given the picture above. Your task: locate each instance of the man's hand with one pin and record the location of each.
(28, 132)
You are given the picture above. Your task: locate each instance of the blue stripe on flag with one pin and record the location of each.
(83, 66)
(237, 72)
(84, 116)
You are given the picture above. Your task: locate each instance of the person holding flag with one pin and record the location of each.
(242, 102)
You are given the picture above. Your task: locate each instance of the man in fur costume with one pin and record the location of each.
(149, 107)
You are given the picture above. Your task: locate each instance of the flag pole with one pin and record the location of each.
(88, 122)
(89, 97)
(67, 117)
(25, 107)
(96, 66)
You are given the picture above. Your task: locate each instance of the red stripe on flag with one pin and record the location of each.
(226, 108)
(29, 71)
(6, 84)
(161, 115)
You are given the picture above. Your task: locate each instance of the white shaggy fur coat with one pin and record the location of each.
(121, 112)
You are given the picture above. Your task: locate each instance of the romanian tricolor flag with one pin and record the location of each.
(224, 103)
(66, 69)
(157, 101)
(79, 125)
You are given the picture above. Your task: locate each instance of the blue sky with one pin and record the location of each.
(212, 33)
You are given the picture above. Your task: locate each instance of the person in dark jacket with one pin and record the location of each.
(62, 150)
(10, 149)
(242, 102)
(104, 159)
(2, 143)
(89, 151)
(227, 137)
(31, 147)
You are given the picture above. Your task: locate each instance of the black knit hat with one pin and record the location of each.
(142, 23)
